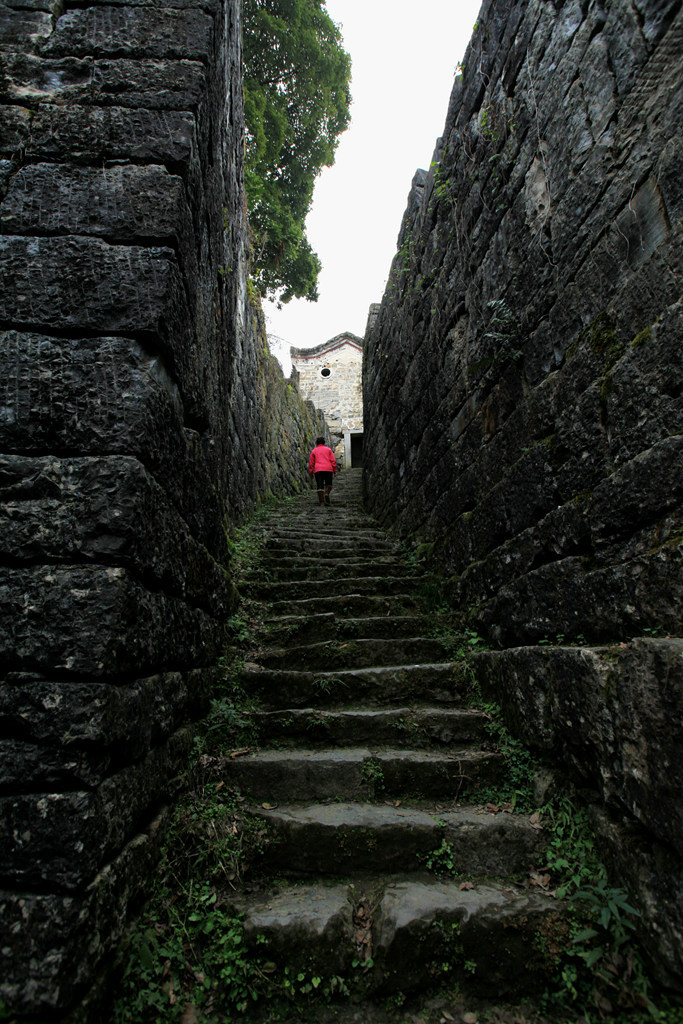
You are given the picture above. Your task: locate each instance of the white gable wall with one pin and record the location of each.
(339, 392)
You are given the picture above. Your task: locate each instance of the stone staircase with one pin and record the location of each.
(367, 773)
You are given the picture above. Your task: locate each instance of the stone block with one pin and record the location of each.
(119, 723)
(152, 84)
(638, 589)
(22, 29)
(60, 840)
(73, 736)
(120, 203)
(643, 490)
(107, 511)
(90, 81)
(98, 622)
(95, 396)
(111, 395)
(87, 134)
(53, 943)
(132, 31)
(642, 395)
(109, 289)
(50, 6)
(28, 766)
(210, 6)
(494, 928)
(650, 871)
(612, 715)
(28, 79)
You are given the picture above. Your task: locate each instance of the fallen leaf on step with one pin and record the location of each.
(535, 820)
(268, 807)
(466, 885)
(397, 804)
(469, 1018)
(240, 752)
(542, 881)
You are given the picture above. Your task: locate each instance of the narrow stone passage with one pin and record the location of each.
(369, 770)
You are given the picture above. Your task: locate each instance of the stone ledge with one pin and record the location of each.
(68, 735)
(107, 511)
(53, 944)
(59, 840)
(611, 715)
(98, 622)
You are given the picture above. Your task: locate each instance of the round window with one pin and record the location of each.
(325, 372)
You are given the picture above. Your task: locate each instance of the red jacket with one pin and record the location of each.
(322, 460)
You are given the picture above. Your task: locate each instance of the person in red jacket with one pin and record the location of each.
(323, 463)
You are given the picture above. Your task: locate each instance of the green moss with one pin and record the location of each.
(601, 338)
(572, 350)
(642, 338)
(425, 551)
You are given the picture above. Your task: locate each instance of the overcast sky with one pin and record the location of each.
(404, 57)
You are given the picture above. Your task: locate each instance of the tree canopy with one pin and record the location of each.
(296, 101)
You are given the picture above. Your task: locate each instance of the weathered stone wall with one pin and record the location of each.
(140, 418)
(523, 407)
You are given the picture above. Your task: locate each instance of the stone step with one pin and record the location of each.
(296, 629)
(341, 653)
(308, 569)
(414, 931)
(361, 773)
(334, 551)
(343, 605)
(370, 759)
(397, 727)
(379, 586)
(337, 839)
(323, 522)
(440, 683)
(276, 560)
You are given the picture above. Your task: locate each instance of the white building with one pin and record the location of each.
(330, 375)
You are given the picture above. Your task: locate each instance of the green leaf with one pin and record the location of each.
(591, 957)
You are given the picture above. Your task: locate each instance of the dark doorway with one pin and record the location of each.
(356, 450)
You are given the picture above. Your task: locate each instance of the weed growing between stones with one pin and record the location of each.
(595, 963)
(451, 953)
(186, 958)
(372, 774)
(590, 953)
(326, 686)
(571, 857)
(520, 766)
(440, 861)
